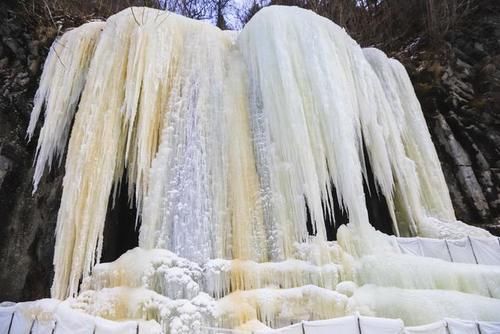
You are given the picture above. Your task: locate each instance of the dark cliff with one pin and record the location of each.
(458, 85)
(27, 221)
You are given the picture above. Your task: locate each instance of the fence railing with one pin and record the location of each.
(467, 250)
(13, 322)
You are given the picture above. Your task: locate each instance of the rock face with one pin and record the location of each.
(27, 222)
(458, 84)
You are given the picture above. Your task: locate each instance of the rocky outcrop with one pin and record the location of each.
(458, 84)
(27, 221)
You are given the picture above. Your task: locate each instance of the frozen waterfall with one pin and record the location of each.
(237, 149)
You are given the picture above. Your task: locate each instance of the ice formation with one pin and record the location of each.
(238, 148)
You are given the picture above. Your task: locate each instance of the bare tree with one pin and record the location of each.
(388, 22)
(198, 10)
(245, 14)
(215, 11)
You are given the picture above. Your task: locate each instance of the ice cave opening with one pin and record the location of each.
(280, 176)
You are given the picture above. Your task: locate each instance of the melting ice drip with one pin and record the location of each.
(230, 143)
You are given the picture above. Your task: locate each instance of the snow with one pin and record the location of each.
(158, 270)
(173, 315)
(346, 288)
(422, 306)
(411, 272)
(279, 307)
(63, 78)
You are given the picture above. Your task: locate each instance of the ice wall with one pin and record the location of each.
(230, 143)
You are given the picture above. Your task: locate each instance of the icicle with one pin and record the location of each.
(301, 150)
(185, 208)
(421, 190)
(95, 154)
(61, 84)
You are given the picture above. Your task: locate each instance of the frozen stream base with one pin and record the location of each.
(155, 291)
